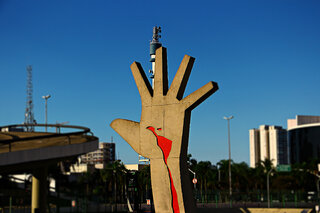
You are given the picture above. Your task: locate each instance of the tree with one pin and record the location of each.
(224, 174)
(241, 176)
(204, 173)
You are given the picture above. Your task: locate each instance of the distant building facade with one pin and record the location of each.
(268, 142)
(135, 167)
(95, 160)
(104, 155)
(304, 138)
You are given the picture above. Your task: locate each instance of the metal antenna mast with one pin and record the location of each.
(29, 116)
(154, 45)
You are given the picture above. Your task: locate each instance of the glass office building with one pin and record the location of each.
(304, 138)
(304, 143)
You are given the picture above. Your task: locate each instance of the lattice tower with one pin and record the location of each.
(29, 116)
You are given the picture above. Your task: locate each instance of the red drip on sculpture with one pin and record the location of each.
(165, 145)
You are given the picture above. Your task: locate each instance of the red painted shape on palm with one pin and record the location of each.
(165, 145)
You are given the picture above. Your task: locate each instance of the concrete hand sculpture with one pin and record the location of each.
(163, 131)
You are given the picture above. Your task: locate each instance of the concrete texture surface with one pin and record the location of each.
(163, 131)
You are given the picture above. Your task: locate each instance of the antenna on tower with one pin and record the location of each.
(154, 45)
(29, 116)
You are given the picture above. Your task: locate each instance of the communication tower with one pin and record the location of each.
(29, 116)
(154, 45)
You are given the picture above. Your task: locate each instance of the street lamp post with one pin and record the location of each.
(194, 178)
(230, 187)
(46, 97)
(219, 176)
(268, 191)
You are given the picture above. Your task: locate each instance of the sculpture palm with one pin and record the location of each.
(168, 115)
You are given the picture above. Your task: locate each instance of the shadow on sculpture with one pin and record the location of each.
(163, 131)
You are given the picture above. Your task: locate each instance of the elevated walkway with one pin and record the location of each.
(33, 152)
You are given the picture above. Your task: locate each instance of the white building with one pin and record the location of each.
(268, 142)
(135, 167)
(95, 160)
(104, 155)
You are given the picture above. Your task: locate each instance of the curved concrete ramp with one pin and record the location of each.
(24, 150)
(34, 151)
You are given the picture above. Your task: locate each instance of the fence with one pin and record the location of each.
(279, 199)
(211, 199)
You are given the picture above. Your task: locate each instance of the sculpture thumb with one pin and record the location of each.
(129, 131)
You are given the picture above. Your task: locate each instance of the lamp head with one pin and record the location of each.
(46, 96)
(228, 118)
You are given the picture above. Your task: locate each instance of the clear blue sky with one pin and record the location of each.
(265, 56)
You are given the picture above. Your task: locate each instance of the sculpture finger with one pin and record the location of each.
(161, 73)
(129, 131)
(197, 97)
(143, 85)
(181, 78)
